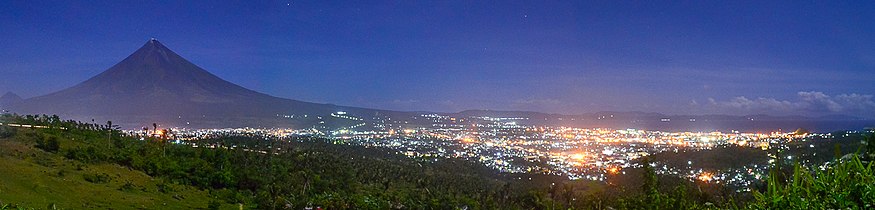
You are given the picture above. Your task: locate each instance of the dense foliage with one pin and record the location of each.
(303, 172)
(848, 184)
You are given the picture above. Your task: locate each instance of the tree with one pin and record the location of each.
(48, 143)
(651, 182)
(869, 143)
(109, 136)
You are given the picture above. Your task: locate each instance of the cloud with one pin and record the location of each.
(447, 103)
(808, 102)
(856, 102)
(759, 104)
(537, 104)
(819, 102)
(404, 102)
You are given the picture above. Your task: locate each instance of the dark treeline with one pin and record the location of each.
(295, 173)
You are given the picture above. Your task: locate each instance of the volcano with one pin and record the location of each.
(154, 84)
(8, 99)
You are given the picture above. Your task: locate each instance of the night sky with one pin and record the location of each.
(808, 58)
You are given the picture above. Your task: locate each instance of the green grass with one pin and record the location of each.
(33, 178)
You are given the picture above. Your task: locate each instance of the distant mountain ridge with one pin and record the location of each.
(665, 122)
(644, 115)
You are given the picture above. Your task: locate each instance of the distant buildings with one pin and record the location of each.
(505, 145)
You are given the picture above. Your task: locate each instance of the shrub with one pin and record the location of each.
(97, 178)
(214, 204)
(48, 143)
(848, 184)
(127, 187)
(166, 187)
(6, 131)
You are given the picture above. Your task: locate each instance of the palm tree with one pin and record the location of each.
(109, 136)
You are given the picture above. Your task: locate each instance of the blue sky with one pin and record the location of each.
(692, 57)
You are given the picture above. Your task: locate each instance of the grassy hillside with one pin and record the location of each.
(34, 178)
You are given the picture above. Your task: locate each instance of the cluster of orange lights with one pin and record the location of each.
(705, 177)
(614, 170)
(577, 156)
(469, 140)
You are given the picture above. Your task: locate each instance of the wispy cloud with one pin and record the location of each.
(536, 104)
(807, 102)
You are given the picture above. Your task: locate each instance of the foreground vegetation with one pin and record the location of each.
(31, 177)
(80, 165)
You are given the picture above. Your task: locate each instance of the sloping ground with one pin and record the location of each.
(33, 178)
